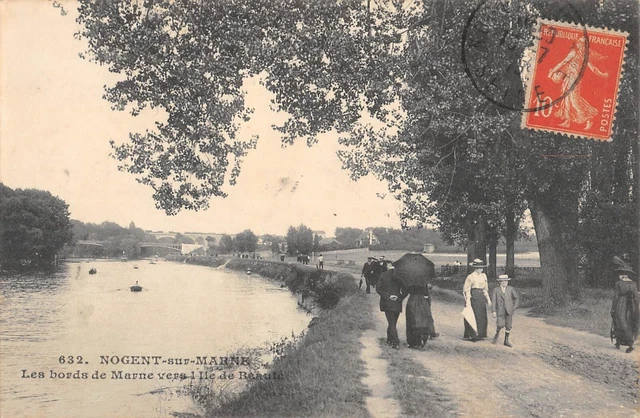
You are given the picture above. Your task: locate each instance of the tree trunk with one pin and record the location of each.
(510, 236)
(493, 252)
(481, 240)
(471, 246)
(558, 257)
(635, 166)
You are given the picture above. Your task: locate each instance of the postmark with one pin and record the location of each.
(495, 44)
(584, 71)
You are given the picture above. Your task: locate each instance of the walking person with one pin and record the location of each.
(320, 260)
(420, 326)
(391, 296)
(624, 310)
(368, 272)
(504, 303)
(476, 295)
(380, 265)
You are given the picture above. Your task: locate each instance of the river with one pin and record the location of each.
(184, 311)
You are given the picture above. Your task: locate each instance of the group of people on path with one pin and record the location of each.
(380, 273)
(372, 270)
(503, 301)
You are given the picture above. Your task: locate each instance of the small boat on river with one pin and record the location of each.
(136, 287)
(135, 267)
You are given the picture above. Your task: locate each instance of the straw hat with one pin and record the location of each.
(477, 263)
(504, 278)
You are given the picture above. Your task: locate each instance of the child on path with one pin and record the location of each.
(503, 305)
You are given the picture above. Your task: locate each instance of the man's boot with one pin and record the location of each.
(495, 337)
(506, 339)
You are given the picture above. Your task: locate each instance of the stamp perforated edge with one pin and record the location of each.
(529, 77)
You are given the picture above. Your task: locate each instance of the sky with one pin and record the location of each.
(55, 130)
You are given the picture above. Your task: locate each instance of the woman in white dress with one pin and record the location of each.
(476, 295)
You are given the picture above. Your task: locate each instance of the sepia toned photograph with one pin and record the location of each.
(319, 208)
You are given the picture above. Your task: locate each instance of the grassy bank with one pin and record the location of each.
(322, 375)
(322, 372)
(591, 313)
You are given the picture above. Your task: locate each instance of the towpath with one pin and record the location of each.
(550, 372)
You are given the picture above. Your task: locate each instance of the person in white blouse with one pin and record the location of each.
(476, 295)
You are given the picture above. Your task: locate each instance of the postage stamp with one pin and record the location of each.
(497, 48)
(584, 72)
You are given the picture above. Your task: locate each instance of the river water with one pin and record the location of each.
(184, 311)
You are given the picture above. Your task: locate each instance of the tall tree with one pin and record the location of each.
(299, 240)
(226, 243)
(34, 226)
(246, 241)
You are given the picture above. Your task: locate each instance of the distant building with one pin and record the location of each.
(329, 244)
(321, 234)
(367, 239)
(428, 248)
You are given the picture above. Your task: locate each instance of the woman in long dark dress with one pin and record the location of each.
(420, 325)
(476, 294)
(625, 309)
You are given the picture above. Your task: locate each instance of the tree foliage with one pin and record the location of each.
(389, 77)
(299, 240)
(246, 241)
(226, 243)
(34, 226)
(116, 240)
(348, 236)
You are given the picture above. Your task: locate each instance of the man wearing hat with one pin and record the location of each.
(504, 303)
(392, 293)
(368, 272)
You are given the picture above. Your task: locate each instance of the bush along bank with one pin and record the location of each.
(323, 287)
(320, 375)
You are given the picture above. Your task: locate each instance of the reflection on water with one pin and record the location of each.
(183, 311)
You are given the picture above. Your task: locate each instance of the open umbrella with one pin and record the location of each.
(414, 269)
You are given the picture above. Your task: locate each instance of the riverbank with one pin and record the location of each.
(322, 374)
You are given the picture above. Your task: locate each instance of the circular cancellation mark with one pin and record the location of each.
(494, 41)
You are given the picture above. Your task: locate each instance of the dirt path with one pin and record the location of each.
(551, 371)
(381, 403)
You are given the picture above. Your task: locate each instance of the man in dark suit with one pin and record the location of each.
(368, 271)
(391, 296)
(503, 305)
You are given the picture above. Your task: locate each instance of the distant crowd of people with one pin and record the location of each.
(304, 259)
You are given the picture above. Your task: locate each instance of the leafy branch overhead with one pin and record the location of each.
(191, 59)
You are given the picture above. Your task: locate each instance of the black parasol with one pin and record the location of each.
(414, 269)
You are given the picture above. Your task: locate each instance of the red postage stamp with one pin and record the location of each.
(574, 80)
